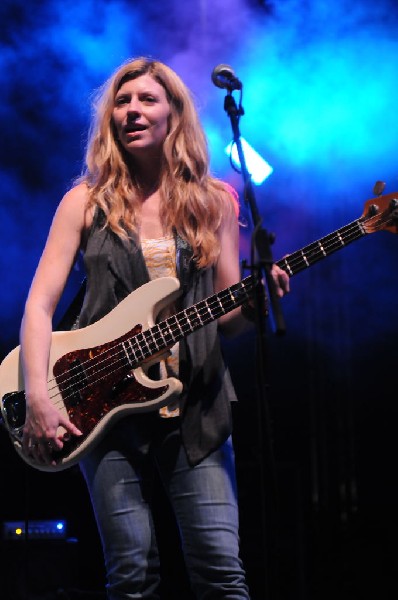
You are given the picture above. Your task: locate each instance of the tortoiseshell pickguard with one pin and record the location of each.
(103, 380)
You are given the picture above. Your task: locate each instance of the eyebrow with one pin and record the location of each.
(140, 92)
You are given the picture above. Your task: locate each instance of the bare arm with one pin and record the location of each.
(62, 246)
(227, 273)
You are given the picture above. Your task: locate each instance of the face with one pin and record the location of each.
(141, 114)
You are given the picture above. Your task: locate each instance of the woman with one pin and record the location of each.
(146, 207)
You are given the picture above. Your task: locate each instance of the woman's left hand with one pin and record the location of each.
(281, 280)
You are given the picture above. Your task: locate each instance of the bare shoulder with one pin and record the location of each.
(74, 207)
(76, 197)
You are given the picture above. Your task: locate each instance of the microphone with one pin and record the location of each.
(223, 76)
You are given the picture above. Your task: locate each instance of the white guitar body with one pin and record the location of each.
(139, 308)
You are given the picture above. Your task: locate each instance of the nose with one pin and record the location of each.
(133, 109)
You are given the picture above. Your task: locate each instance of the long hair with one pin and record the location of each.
(192, 201)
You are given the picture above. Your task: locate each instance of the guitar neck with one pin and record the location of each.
(166, 333)
(309, 255)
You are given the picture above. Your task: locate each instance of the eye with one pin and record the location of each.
(148, 98)
(120, 100)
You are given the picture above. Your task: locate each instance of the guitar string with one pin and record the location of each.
(296, 259)
(177, 326)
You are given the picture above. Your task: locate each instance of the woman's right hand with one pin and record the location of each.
(46, 429)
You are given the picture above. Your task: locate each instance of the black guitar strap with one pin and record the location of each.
(70, 316)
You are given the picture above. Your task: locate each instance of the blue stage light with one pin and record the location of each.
(258, 168)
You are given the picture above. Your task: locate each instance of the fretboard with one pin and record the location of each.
(309, 255)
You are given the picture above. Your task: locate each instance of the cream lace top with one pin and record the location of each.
(160, 259)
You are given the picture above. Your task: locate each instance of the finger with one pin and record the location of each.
(57, 444)
(70, 427)
(283, 283)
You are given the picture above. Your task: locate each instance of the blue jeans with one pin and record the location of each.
(118, 476)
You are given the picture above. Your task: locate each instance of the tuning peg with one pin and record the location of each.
(378, 188)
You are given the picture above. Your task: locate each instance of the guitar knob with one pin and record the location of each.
(378, 188)
(373, 209)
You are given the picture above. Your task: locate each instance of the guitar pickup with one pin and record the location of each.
(77, 381)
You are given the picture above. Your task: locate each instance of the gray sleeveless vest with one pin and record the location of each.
(115, 268)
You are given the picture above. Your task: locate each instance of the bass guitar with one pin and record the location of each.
(98, 374)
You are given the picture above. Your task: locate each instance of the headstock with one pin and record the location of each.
(381, 213)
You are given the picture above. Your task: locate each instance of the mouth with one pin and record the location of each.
(134, 128)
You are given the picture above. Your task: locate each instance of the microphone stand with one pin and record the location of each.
(261, 265)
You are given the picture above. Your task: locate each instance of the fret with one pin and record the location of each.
(284, 264)
(136, 349)
(194, 318)
(159, 330)
(188, 319)
(185, 324)
(167, 334)
(207, 307)
(126, 348)
(144, 346)
(172, 321)
(151, 341)
(307, 264)
(181, 333)
(202, 312)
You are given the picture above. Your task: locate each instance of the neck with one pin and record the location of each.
(146, 182)
(146, 171)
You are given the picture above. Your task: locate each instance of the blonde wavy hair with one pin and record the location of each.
(192, 201)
